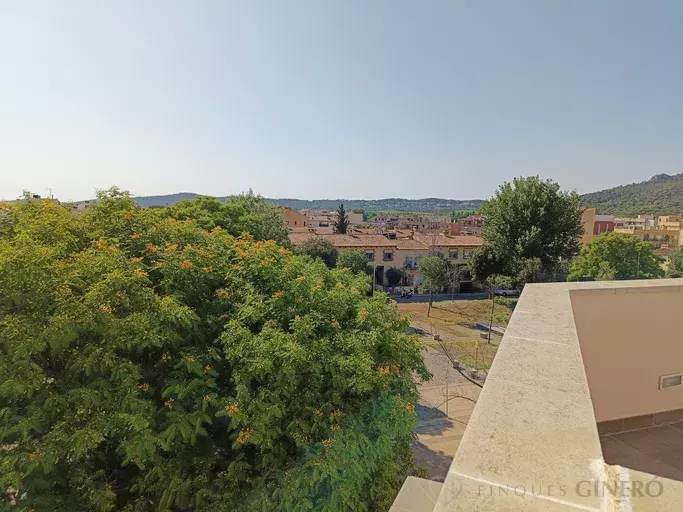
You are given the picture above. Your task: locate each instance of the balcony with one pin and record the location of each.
(572, 415)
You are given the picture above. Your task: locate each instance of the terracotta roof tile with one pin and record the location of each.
(449, 240)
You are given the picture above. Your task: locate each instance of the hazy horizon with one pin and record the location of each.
(347, 99)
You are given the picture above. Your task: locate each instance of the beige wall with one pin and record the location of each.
(587, 222)
(628, 340)
(293, 218)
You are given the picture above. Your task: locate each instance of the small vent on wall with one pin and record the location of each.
(670, 381)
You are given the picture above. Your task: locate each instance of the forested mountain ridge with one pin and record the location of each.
(660, 195)
(432, 204)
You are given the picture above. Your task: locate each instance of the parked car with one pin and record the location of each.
(507, 292)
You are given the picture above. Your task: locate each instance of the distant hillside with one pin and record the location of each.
(371, 205)
(660, 195)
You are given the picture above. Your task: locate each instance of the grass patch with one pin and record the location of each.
(454, 321)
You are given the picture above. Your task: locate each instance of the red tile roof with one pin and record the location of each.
(439, 240)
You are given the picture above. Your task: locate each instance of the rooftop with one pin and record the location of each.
(572, 415)
(439, 240)
(419, 241)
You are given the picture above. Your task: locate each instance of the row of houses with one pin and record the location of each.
(401, 250)
(316, 218)
(663, 233)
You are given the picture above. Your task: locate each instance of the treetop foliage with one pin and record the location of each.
(320, 249)
(530, 225)
(154, 361)
(616, 256)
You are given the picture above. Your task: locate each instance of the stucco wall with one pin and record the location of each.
(628, 339)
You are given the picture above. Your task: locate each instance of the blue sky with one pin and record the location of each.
(348, 98)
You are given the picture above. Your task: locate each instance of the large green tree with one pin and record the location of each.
(148, 364)
(530, 218)
(341, 225)
(616, 256)
(319, 248)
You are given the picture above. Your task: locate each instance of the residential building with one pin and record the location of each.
(670, 222)
(640, 222)
(402, 253)
(472, 225)
(577, 413)
(422, 223)
(603, 224)
(321, 220)
(658, 238)
(328, 218)
(594, 224)
(292, 218)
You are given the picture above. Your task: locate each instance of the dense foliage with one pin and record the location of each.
(674, 267)
(150, 364)
(235, 214)
(661, 195)
(356, 261)
(461, 214)
(319, 249)
(528, 222)
(616, 256)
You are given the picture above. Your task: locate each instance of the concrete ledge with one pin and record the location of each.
(416, 495)
(532, 442)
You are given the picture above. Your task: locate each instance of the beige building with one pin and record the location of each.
(423, 223)
(402, 253)
(292, 218)
(658, 238)
(579, 412)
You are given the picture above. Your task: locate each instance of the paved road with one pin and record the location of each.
(441, 422)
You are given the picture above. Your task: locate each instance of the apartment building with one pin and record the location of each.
(577, 413)
(400, 252)
(639, 222)
(658, 238)
(594, 225)
(425, 222)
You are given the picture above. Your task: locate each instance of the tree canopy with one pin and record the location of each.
(528, 219)
(356, 261)
(319, 248)
(150, 364)
(236, 214)
(674, 266)
(616, 256)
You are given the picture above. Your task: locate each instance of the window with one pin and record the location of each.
(295, 223)
(388, 256)
(466, 254)
(304, 223)
(454, 254)
(370, 255)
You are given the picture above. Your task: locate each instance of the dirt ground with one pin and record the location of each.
(454, 321)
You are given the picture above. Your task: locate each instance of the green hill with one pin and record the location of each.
(431, 204)
(660, 195)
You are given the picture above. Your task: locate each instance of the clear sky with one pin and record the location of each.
(337, 98)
